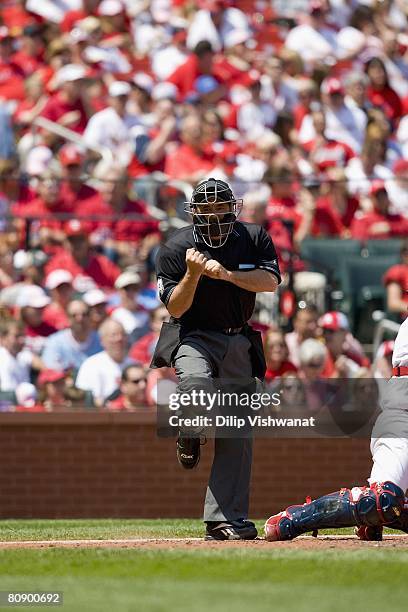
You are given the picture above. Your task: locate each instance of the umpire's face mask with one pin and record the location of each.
(214, 216)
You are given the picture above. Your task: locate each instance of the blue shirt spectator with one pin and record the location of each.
(68, 348)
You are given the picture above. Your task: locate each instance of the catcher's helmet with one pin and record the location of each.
(214, 209)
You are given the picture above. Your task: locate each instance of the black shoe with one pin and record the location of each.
(188, 452)
(240, 529)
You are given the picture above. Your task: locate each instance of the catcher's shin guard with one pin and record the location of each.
(379, 504)
(375, 533)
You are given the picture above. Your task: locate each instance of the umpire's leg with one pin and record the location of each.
(227, 496)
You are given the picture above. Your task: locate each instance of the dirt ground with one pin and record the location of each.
(302, 543)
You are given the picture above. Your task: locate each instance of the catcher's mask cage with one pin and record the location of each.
(212, 224)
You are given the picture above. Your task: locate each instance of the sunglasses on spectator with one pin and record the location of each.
(136, 381)
(274, 344)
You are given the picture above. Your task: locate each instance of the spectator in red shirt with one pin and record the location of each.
(334, 196)
(379, 91)
(52, 384)
(325, 152)
(43, 209)
(276, 354)
(396, 282)
(199, 63)
(65, 106)
(73, 191)
(88, 268)
(120, 233)
(32, 301)
(30, 56)
(142, 350)
(132, 390)
(59, 285)
(307, 93)
(339, 362)
(11, 74)
(188, 162)
(379, 223)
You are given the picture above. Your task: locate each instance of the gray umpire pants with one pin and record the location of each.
(206, 355)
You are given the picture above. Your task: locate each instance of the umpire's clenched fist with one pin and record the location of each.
(195, 262)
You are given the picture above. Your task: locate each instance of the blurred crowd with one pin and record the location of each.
(300, 105)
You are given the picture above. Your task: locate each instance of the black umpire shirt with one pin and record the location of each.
(217, 304)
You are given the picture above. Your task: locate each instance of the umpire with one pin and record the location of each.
(208, 275)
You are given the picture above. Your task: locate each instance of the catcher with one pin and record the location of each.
(383, 502)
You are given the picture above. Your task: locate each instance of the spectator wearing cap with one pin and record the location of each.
(277, 356)
(378, 223)
(397, 187)
(121, 233)
(97, 302)
(396, 282)
(29, 268)
(132, 390)
(67, 349)
(307, 99)
(304, 327)
(314, 40)
(142, 350)
(102, 372)
(73, 191)
(30, 56)
(343, 123)
(66, 105)
(188, 162)
(51, 385)
(135, 321)
(335, 328)
(11, 74)
(32, 301)
(59, 285)
(109, 128)
(379, 91)
(86, 266)
(15, 362)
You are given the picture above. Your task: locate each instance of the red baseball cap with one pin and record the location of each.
(376, 186)
(335, 321)
(50, 376)
(332, 86)
(401, 166)
(70, 155)
(74, 227)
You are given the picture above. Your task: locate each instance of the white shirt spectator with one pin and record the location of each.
(402, 136)
(398, 195)
(254, 118)
(13, 370)
(203, 28)
(358, 182)
(52, 10)
(166, 60)
(101, 375)
(107, 129)
(312, 45)
(346, 125)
